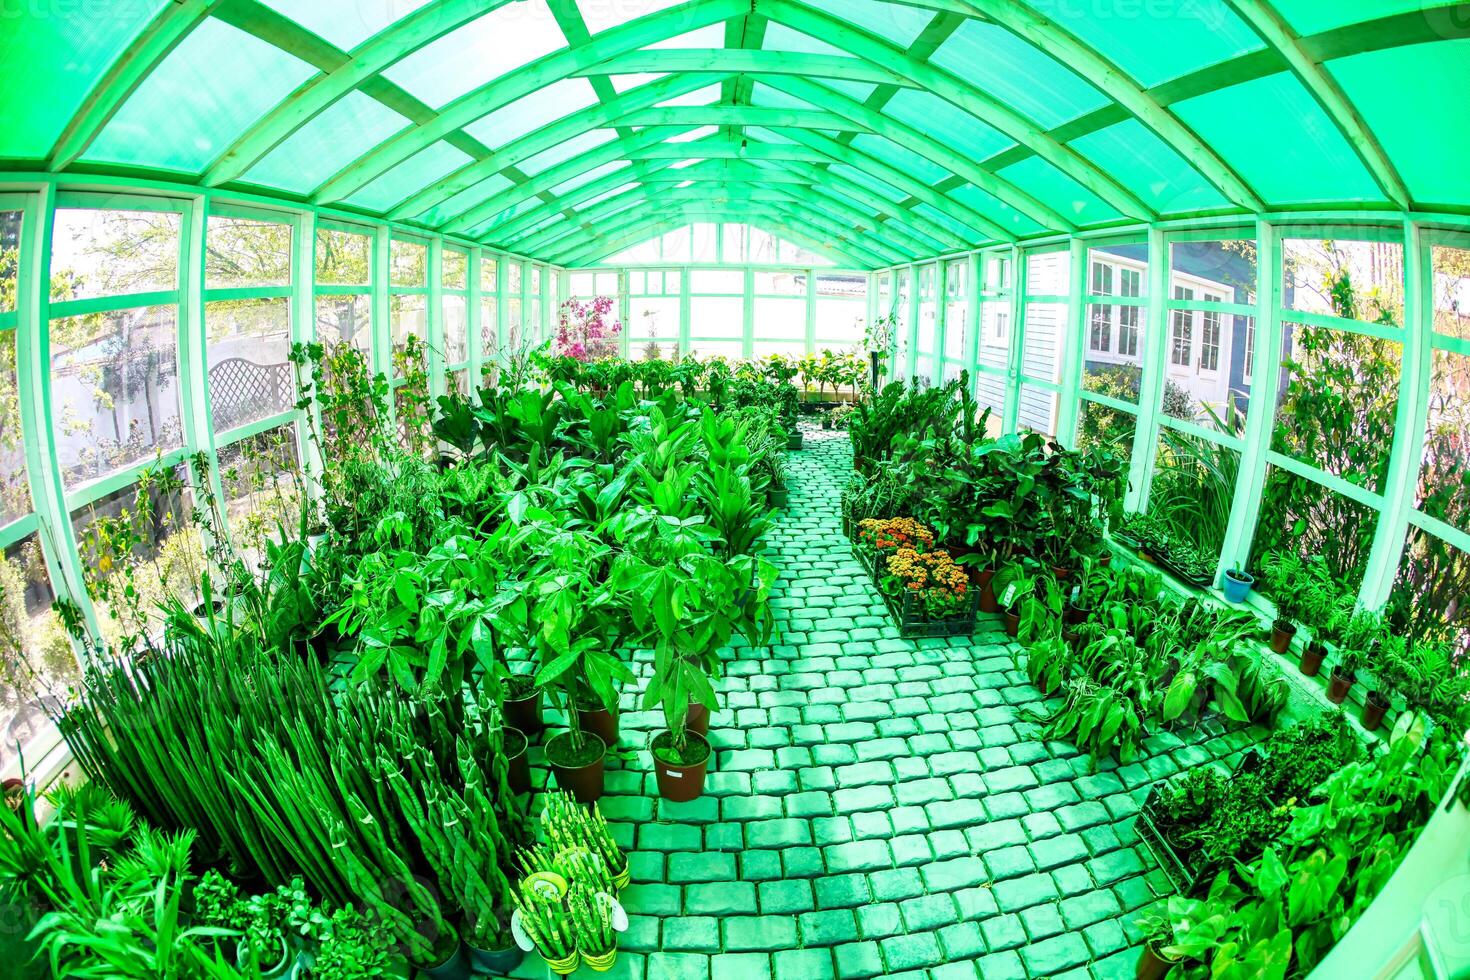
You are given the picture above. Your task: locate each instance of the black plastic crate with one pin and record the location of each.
(911, 623)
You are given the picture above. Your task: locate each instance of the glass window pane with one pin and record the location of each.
(409, 264)
(111, 253)
(489, 269)
(780, 283)
(262, 487)
(716, 318)
(456, 269)
(513, 277)
(343, 259)
(956, 307)
(345, 319)
(990, 392)
(15, 491)
(1444, 481)
(1302, 515)
(781, 319)
(456, 346)
(842, 310)
(1046, 323)
(711, 281)
(1451, 290)
(1229, 264)
(1358, 280)
(654, 318)
(1113, 361)
(114, 389)
(1103, 425)
(246, 253)
(250, 376)
(46, 664)
(1038, 410)
(1341, 395)
(1194, 485)
(410, 317)
(1429, 596)
(9, 258)
(140, 536)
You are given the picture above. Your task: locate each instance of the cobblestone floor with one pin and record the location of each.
(878, 806)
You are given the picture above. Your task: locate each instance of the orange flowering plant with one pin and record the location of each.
(939, 585)
(886, 536)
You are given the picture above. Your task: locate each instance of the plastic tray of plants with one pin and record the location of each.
(1188, 868)
(913, 624)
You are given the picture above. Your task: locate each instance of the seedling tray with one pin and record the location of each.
(1185, 878)
(909, 616)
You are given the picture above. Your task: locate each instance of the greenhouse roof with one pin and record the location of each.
(874, 132)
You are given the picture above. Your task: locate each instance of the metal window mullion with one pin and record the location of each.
(625, 308)
(810, 344)
(1011, 415)
(382, 329)
(474, 295)
(530, 331)
(685, 306)
(911, 369)
(941, 316)
(747, 330)
(974, 318)
(1405, 458)
(303, 331)
(33, 382)
(502, 312)
(1073, 356)
(1250, 481)
(1151, 390)
(436, 359)
(193, 352)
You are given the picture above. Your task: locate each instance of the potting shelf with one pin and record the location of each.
(879, 806)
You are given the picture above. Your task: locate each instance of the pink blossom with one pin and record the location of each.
(585, 333)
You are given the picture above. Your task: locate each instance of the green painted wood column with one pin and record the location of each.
(1151, 391)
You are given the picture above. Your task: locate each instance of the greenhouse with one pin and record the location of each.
(735, 489)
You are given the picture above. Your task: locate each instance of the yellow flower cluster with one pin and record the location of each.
(939, 584)
(893, 533)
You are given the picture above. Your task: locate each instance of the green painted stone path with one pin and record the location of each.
(879, 806)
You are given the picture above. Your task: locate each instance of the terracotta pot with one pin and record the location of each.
(1074, 615)
(600, 722)
(1152, 966)
(582, 779)
(697, 720)
(1375, 706)
(1281, 635)
(1061, 574)
(523, 711)
(1013, 623)
(988, 603)
(680, 783)
(516, 754)
(1311, 662)
(1106, 561)
(1338, 686)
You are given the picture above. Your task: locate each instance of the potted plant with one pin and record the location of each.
(352, 946)
(263, 946)
(522, 704)
(547, 928)
(592, 920)
(1287, 576)
(1236, 584)
(1344, 675)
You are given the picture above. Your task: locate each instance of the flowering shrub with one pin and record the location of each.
(885, 536)
(585, 333)
(941, 587)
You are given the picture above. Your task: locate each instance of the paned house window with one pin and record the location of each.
(1209, 342)
(1181, 347)
(1249, 370)
(1100, 334)
(1130, 283)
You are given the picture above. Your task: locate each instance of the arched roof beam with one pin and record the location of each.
(320, 92)
(1023, 130)
(748, 61)
(1051, 39)
(768, 117)
(928, 147)
(655, 225)
(1273, 29)
(570, 169)
(570, 126)
(147, 51)
(513, 85)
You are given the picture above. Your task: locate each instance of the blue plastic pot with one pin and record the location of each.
(1236, 585)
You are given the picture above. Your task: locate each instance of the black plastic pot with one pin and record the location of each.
(1375, 706)
(1151, 965)
(516, 747)
(681, 781)
(1013, 623)
(578, 773)
(593, 717)
(495, 962)
(523, 705)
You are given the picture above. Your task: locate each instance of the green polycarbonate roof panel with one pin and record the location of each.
(901, 157)
(1007, 68)
(867, 180)
(566, 149)
(409, 177)
(475, 194)
(1148, 167)
(895, 23)
(603, 15)
(540, 108)
(1172, 39)
(996, 210)
(591, 175)
(1402, 114)
(947, 221)
(709, 36)
(947, 123)
(1046, 183)
(1280, 142)
(622, 83)
(1314, 16)
(346, 23)
(479, 52)
(216, 83)
(52, 62)
(327, 144)
(708, 95)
